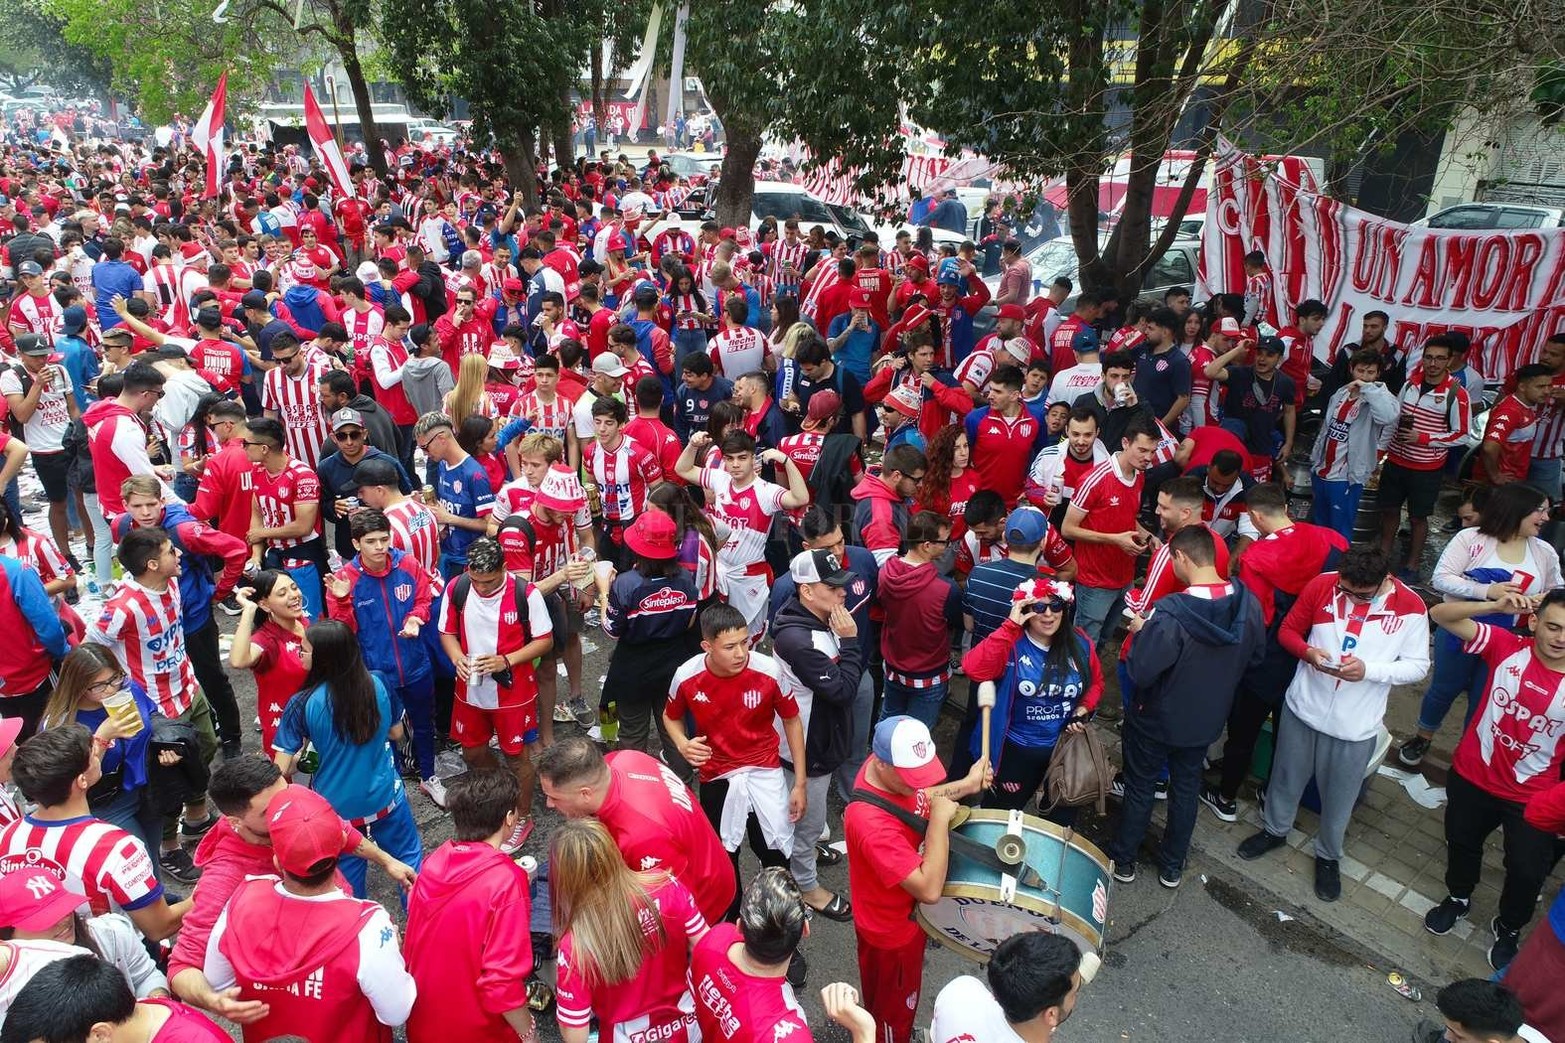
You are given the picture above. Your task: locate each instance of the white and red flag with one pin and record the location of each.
(207, 135)
(325, 145)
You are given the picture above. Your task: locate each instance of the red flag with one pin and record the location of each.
(325, 145)
(207, 135)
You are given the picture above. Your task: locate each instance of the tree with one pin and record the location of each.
(514, 61)
(33, 47)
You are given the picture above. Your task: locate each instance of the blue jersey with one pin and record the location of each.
(463, 491)
(359, 779)
(1030, 709)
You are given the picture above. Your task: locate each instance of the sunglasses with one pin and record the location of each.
(424, 446)
(348, 436)
(1356, 595)
(1050, 605)
(261, 445)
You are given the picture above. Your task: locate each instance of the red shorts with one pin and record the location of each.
(517, 726)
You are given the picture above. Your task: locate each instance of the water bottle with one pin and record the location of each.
(608, 723)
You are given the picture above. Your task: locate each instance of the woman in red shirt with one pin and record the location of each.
(948, 482)
(624, 941)
(271, 650)
(476, 435)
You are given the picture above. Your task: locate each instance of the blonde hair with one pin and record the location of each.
(464, 398)
(601, 904)
(541, 443)
(141, 485)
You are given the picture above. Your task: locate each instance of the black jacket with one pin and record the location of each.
(822, 673)
(1187, 661)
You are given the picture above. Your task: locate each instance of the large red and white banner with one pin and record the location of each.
(1504, 290)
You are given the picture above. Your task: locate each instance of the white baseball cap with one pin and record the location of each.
(905, 744)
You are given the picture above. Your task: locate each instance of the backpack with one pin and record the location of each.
(518, 522)
(12, 424)
(831, 480)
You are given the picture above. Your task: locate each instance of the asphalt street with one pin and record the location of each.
(1212, 960)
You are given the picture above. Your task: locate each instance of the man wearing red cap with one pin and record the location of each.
(893, 865)
(314, 955)
(915, 282)
(973, 373)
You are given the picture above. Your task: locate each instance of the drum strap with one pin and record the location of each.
(961, 844)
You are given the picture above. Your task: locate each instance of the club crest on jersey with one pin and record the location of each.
(402, 591)
(509, 617)
(752, 698)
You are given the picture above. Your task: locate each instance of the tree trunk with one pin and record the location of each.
(564, 147)
(600, 102)
(736, 184)
(517, 152)
(361, 102)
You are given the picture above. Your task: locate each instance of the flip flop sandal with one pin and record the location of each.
(827, 856)
(837, 909)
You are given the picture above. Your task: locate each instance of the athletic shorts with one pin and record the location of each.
(517, 726)
(1419, 489)
(54, 472)
(565, 615)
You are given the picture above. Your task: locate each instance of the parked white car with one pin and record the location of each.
(1494, 216)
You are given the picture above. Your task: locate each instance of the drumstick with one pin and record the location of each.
(985, 707)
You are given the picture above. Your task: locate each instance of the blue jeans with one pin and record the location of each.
(397, 835)
(1545, 475)
(1094, 609)
(1127, 698)
(1144, 758)
(922, 703)
(863, 709)
(134, 812)
(1335, 505)
(1454, 672)
(687, 343)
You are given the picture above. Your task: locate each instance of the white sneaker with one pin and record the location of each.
(435, 790)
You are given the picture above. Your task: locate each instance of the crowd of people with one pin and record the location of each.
(417, 438)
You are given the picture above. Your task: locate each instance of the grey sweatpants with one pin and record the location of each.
(807, 831)
(1338, 769)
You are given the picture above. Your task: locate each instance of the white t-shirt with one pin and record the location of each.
(1070, 384)
(966, 1010)
(44, 431)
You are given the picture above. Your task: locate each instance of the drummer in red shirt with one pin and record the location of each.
(653, 817)
(887, 875)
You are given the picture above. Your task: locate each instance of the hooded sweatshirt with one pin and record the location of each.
(468, 943)
(426, 380)
(1187, 661)
(880, 518)
(225, 859)
(378, 424)
(821, 671)
(118, 441)
(315, 960)
(919, 605)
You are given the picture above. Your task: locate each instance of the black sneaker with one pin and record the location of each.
(233, 749)
(1259, 844)
(230, 606)
(1453, 524)
(1443, 917)
(1506, 942)
(1221, 806)
(189, 831)
(797, 969)
(73, 596)
(1328, 879)
(1117, 785)
(1170, 878)
(177, 864)
(1411, 753)
(1125, 872)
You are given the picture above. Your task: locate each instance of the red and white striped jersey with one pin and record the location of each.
(624, 475)
(494, 276)
(1441, 417)
(278, 498)
(551, 418)
(1548, 438)
(517, 496)
(93, 857)
(785, 255)
(739, 350)
(145, 628)
(162, 281)
(363, 328)
(679, 304)
(764, 285)
(747, 512)
(34, 315)
(828, 277)
(415, 531)
(297, 402)
(39, 553)
(1202, 409)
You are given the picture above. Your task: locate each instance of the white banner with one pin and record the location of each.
(1504, 290)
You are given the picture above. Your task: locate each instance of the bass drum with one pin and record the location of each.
(980, 907)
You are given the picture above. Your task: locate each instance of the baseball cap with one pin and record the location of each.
(502, 357)
(346, 417)
(905, 400)
(33, 899)
(652, 535)
(819, 566)
(118, 333)
(859, 299)
(32, 344)
(1027, 526)
(561, 491)
(904, 743)
(368, 272)
(1271, 346)
(1012, 311)
(1019, 348)
(1228, 327)
(254, 299)
(305, 830)
(918, 261)
(73, 319)
(29, 268)
(609, 365)
(209, 317)
(915, 316)
(511, 285)
(823, 405)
